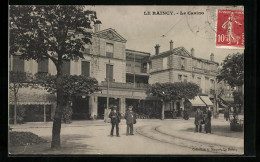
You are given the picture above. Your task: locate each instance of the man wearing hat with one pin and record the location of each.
(130, 120)
(115, 120)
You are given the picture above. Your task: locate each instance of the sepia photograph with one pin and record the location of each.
(126, 80)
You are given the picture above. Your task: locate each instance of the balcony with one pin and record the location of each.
(125, 85)
(205, 71)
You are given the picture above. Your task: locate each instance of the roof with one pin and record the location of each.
(174, 51)
(181, 51)
(30, 96)
(110, 34)
(137, 52)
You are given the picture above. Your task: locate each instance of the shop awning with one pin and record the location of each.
(197, 101)
(206, 100)
(31, 96)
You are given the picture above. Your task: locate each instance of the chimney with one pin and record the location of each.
(212, 57)
(97, 26)
(171, 45)
(157, 49)
(192, 52)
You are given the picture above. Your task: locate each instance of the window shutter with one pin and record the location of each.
(18, 64)
(66, 67)
(85, 68)
(111, 72)
(43, 66)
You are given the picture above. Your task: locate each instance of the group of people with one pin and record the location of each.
(115, 117)
(203, 119)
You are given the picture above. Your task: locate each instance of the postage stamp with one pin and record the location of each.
(230, 29)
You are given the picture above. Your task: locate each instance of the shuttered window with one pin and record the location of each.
(109, 50)
(66, 67)
(18, 64)
(109, 72)
(85, 68)
(43, 66)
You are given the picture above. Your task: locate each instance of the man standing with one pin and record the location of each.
(115, 120)
(198, 119)
(130, 120)
(208, 121)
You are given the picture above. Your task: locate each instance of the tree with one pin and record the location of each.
(232, 71)
(173, 91)
(18, 80)
(55, 32)
(72, 85)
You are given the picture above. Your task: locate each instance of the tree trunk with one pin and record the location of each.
(15, 109)
(163, 107)
(57, 117)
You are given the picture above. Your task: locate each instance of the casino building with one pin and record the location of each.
(123, 76)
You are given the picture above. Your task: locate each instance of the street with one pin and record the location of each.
(152, 136)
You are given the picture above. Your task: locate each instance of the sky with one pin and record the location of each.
(143, 30)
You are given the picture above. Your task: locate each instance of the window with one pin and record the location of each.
(109, 72)
(18, 64)
(227, 87)
(212, 84)
(66, 67)
(199, 81)
(182, 63)
(179, 78)
(85, 68)
(165, 62)
(185, 78)
(109, 50)
(43, 66)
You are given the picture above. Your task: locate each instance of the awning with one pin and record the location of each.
(31, 96)
(197, 101)
(206, 100)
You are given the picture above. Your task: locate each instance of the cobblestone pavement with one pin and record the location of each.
(152, 136)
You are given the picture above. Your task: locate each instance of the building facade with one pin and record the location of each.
(179, 65)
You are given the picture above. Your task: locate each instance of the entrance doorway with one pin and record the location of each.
(102, 105)
(80, 108)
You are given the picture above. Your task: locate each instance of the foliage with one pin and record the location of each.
(174, 91)
(47, 31)
(232, 70)
(24, 138)
(51, 31)
(67, 114)
(72, 85)
(19, 80)
(20, 114)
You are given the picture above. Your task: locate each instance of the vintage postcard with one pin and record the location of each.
(126, 80)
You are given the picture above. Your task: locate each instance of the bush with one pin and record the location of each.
(20, 114)
(24, 138)
(67, 114)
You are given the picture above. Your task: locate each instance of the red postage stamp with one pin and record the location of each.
(230, 29)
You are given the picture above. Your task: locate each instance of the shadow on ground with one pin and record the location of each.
(222, 130)
(70, 144)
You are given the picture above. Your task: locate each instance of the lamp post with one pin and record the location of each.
(106, 116)
(163, 106)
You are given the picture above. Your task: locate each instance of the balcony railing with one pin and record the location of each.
(137, 71)
(125, 85)
(204, 71)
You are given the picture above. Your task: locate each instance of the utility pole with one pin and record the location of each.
(106, 117)
(134, 70)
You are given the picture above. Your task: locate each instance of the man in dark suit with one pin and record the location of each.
(115, 120)
(198, 120)
(130, 117)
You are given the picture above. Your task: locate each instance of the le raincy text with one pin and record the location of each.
(173, 13)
